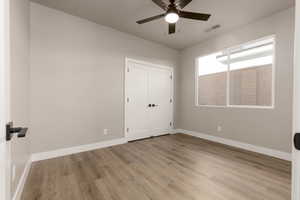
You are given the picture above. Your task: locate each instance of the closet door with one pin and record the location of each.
(136, 112)
(148, 100)
(160, 97)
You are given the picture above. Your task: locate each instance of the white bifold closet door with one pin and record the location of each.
(149, 100)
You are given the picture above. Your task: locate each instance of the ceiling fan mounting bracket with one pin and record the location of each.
(172, 3)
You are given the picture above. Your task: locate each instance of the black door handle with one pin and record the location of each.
(297, 141)
(152, 105)
(10, 131)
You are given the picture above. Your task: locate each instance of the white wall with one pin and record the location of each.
(261, 127)
(19, 91)
(76, 78)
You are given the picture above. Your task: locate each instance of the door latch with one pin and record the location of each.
(10, 131)
(297, 141)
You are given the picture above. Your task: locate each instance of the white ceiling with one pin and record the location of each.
(122, 15)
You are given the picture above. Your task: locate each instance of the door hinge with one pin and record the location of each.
(127, 69)
(127, 130)
(170, 123)
(171, 77)
(127, 100)
(171, 100)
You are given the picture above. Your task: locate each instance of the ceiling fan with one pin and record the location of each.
(173, 13)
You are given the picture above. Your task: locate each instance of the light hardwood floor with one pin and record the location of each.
(175, 167)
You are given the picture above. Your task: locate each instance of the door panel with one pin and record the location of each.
(5, 179)
(137, 101)
(296, 153)
(160, 91)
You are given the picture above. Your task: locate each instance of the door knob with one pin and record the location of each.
(10, 131)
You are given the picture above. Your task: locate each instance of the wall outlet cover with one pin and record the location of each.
(105, 131)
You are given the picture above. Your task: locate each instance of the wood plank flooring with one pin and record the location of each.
(176, 167)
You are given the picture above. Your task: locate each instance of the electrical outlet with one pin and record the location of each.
(219, 128)
(13, 172)
(105, 131)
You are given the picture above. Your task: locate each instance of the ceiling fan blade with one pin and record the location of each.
(150, 19)
(183, 3)
(196, 16)
(172, 28)
(161, 4)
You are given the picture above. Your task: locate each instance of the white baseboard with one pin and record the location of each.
(22, 181)
(241, 145)
(76, 149)
(173, 131)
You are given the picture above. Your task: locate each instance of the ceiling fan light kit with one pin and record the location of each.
(172, 18)
(173, 13)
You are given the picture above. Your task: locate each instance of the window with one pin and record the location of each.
(239, 76)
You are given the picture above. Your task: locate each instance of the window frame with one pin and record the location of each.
(227, 50)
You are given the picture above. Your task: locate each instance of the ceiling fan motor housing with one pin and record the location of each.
(172, 9)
